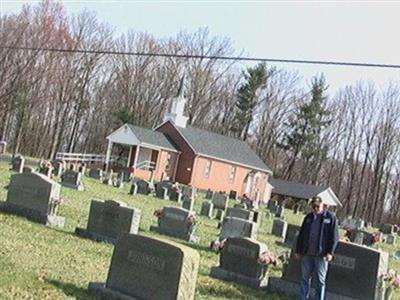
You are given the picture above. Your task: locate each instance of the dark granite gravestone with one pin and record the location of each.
(250, 204)
(239, 263)
(279, 228)
(187, 203)
(163, 189)
(46, 171)
(28, 170)
(96, 173)
(354, 273)
(72, 179)
(109, 219)
(386, 228)
(209, 194)
(240, 213)
(235, 227)
(143, 187)
(233, 195)
(391, 239)
(220, 215)
(126, 176)
(58, 167)
(177, 222)
(35, 197)
(220, 201)
(292, 232)
(175, 193)
(279, 212)
(207, 209)
(189, 191)
(149, 269)
(240, 205)
(17, 164)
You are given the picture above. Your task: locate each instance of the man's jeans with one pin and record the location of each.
(313, 265)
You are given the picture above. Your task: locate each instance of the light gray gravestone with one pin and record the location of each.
(235, 227)
(72, 180)
(279, 228)
(220, 201)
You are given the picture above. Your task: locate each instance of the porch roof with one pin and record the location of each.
(134, 135)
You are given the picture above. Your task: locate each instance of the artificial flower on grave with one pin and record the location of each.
(217, 245)
(267, 258)
(191, 219)
(158, 213)
(376, 237)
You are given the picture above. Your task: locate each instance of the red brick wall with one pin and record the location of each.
(218, 179)
(186, 158)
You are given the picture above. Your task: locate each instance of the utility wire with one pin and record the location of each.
(211, 57)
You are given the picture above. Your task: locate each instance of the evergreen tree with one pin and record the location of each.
(255, 79)
(123, 116)
(303, 139)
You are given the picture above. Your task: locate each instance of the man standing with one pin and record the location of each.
(316, 244)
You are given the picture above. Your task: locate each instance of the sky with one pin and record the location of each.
(357, 31)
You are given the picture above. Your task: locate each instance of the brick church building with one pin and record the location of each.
(178, 152)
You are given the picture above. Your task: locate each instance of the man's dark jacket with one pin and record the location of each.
(328, 236)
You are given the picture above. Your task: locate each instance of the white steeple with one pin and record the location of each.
(175, 115)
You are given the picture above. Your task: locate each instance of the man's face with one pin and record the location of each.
(318, 207)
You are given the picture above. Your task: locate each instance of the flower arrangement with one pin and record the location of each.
(376, 237)
(392, 278)
(217, 245)
(191, 219)
(158, 213)
(267, 258)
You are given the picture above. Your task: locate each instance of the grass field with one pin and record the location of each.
(38, 262)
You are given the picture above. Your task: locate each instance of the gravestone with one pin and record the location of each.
(27, 170)
(240, 205)
(148, 269)
(109, 219)
(143, 187)
(163, 189)
(209, 194)
(359, 237)
(58, 167)
(235, 227)
(386, 228)
(107, 177)
(354, 273)
(220, 201)
(292, 232)
(82, 169)
(391, 239)
(280, 212)
(233, 195)
(96, 173)
(118, 180)
(177, 222)
(220, 215)
(126, 176)
(3, 147)
(17, 164)
(72, 180)
(189, 191)
(46, 170)
(296, 209)
(279, 228)
(207, 209)
(240, 213)
(175, 194)
(360, 224)
(35, 197)
(239, 262)
(187, 203)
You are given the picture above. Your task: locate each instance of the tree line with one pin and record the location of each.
(56, 101)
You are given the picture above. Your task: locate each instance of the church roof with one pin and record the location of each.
(222, 147)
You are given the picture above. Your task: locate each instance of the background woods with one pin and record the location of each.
(58, 101)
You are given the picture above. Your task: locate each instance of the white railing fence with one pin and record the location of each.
(83, 157)
(146, 165)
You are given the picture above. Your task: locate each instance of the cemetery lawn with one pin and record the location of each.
(39, 262)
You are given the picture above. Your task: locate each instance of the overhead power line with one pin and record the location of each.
(212, 57)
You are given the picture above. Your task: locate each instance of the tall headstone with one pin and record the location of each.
(355, 273)
(175, 194)
(163, 189)
(209, 194)
(143, 187)
(72, 180)
(148, 269)
(17, 164)
(207, 209)
(220, 201)
(233, 195)
(188, 203)
(279, 228)
(239, 262)
(109, 219)
(240, 213)
(235, 227)
(96, 173)
(386, 228)
(280, 212)
(58, 167)
(35, 197)
(177, 222)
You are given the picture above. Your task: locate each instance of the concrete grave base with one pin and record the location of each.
(223, 274)
(102, 292)
(79, 188)
(189, 238)
(278, 285)
(94, 236)
(32, 215)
